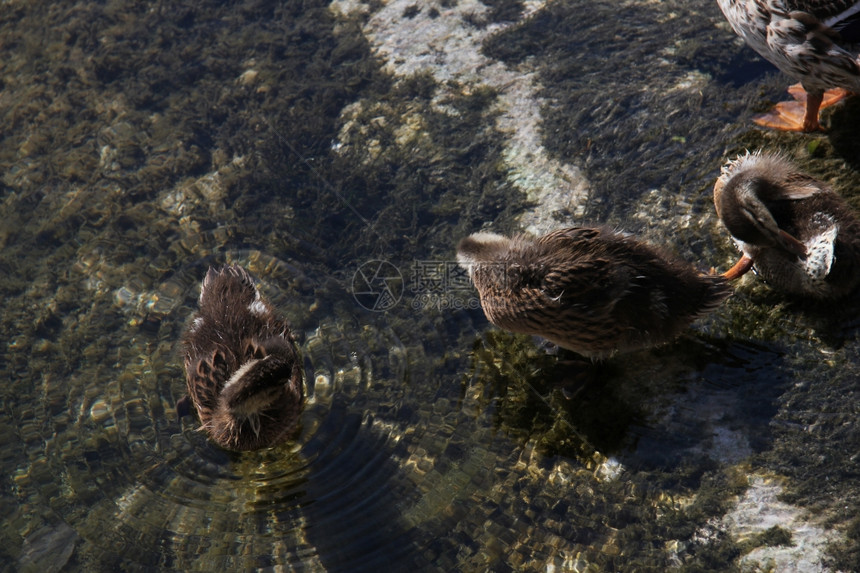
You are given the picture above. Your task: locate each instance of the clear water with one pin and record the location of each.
(339, 152)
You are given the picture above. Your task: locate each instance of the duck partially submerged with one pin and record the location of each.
(243, 372)
(799, 235)
(816, 42)
(590, 290)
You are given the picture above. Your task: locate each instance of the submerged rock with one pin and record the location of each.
(48, 549)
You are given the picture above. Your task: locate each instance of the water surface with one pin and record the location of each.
(341, 150)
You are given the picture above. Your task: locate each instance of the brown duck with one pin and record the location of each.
(814, 41)
(590, 290)
(243, 372)
(797, 233)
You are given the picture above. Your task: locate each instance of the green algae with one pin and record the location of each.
(523, 385)
(585, 100)
(142, 145)
(448, 194)
(110, 277)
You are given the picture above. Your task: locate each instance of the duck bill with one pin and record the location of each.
(792, 245)
(739, 269)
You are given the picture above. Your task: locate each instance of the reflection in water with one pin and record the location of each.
(144, 144)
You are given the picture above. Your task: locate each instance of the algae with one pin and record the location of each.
(144, 142)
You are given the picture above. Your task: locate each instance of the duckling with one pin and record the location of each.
(816, 42)
(590, 290)
(243, 371)
(799, 235)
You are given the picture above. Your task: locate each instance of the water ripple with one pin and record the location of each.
(353, 491)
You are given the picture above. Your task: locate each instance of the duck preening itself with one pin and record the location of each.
(243, 372)
(590, 290)
(797, 233)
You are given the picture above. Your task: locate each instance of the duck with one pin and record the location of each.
(243, 370)
(816, 42)
(795, 231)
(591, 290)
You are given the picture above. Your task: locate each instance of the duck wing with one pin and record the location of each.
(206, 375)
(824, 10)
(579, 268)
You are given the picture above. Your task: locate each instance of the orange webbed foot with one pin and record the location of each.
(830, 97)
(802, 113)
(785, 116)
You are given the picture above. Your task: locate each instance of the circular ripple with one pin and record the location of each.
(386, 460)
(420, 445)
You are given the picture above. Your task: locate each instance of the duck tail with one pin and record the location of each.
(257, 384)
(718, 289)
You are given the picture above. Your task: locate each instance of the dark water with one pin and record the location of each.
(339, 158)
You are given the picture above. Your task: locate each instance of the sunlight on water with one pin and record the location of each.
(338, 151)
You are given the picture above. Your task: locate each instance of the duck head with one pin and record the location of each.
(747, 191)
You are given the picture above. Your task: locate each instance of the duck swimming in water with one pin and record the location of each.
(817, 42)
(243, 372)
(590, 290)
(798, 234)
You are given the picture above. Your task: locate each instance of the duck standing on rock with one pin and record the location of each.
(816, 42)
(243, 372)
(799, 235)
(590, 290)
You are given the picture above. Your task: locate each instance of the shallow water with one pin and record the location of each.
(338, 151)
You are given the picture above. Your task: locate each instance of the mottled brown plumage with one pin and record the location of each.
(798, 234)
(243, 371)
(591, 290)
